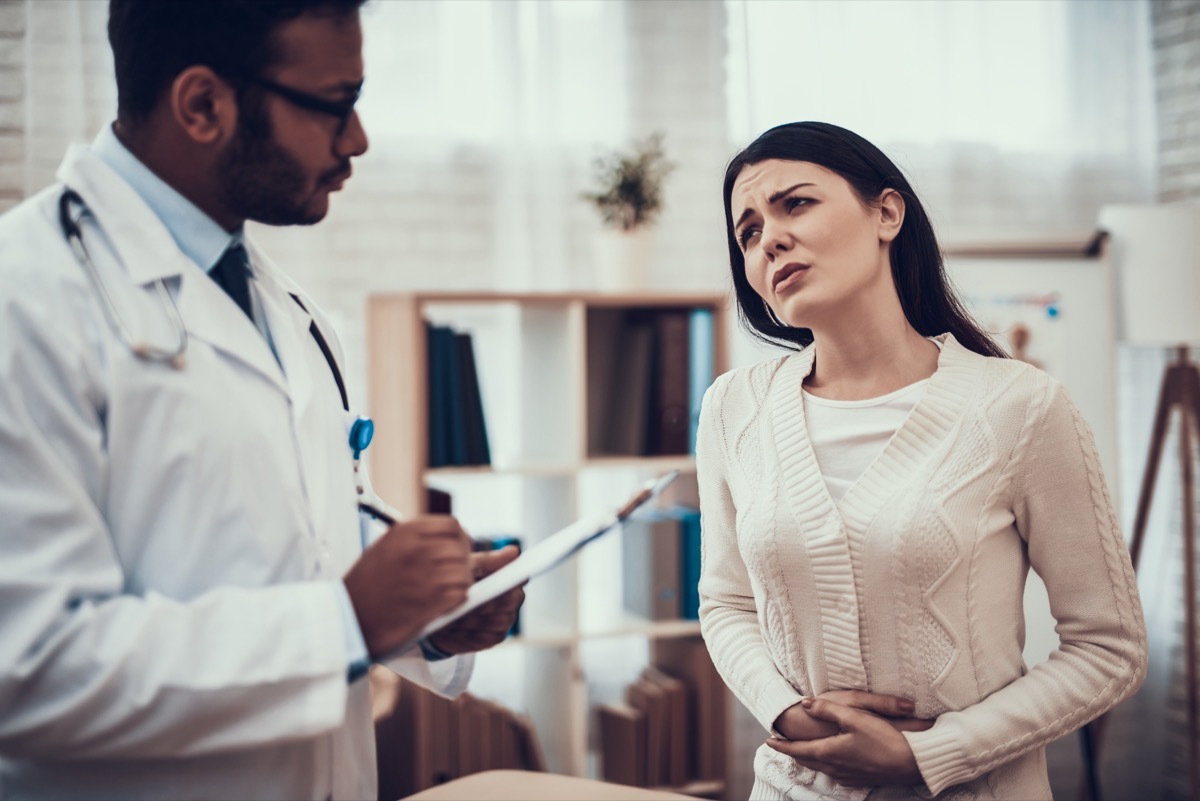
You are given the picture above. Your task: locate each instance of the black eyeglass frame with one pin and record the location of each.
(342, 111)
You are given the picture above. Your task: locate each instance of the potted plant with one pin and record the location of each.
(628, 196)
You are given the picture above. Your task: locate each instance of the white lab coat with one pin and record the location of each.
(170, 540)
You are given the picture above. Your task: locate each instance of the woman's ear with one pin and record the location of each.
(204, 105)
(891, 214)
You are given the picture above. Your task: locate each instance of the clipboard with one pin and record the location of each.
(549, 552)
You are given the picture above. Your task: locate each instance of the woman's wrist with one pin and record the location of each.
(794, 723)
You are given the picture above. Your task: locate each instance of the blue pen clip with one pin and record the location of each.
(361, 434)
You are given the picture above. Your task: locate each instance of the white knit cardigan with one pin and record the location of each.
(913, 585)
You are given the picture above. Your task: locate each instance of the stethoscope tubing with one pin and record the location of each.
(368, 501)
(142, 350)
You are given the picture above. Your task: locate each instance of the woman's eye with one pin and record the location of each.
(792, 203)
(747, 233)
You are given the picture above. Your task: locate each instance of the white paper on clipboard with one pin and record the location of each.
(548, 553)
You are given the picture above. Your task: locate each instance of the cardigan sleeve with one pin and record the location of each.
(1062, 510)
(728, 615)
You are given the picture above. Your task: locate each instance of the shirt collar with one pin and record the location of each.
(199, 236)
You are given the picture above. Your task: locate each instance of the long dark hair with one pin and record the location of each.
(928, 300)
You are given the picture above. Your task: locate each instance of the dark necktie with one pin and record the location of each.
(232, 274)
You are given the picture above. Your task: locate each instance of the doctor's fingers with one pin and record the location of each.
(504, 605)
(436, 527)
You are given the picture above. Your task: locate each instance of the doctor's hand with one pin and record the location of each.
(490, 623)
(419, 569)
(866, 751)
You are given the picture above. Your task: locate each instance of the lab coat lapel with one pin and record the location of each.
(148, 252)
(212, 316)
(289, 324)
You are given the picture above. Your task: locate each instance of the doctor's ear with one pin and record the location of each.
(203, 104)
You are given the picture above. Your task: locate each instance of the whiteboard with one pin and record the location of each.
(1066, 307)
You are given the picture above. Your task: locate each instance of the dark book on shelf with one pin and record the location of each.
(649, 699)
(456, 433)
(436, 388)
(687, 659)
(622, 744)
(470, 403)
(438, 502)
(669, 414)
(676, 759)
(631, 388)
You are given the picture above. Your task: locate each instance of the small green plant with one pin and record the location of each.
(630, 184)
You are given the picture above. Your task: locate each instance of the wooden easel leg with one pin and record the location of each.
(1186, 457)
(1167, 395)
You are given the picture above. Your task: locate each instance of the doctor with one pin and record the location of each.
(185, 606)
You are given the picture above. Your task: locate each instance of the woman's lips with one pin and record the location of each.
(788, 275)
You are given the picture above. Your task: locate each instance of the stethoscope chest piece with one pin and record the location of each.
(362, 431)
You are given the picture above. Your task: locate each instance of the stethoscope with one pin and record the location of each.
(362, 431)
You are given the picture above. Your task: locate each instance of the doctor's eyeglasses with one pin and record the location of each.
(341, 110)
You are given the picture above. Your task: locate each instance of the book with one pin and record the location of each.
(603, 334)
(452, 378)
(650, 700)
(438, 502)
(676, 756)
(670, 415)
(689, 563)
(441, 735)
(687, 659)
(622, 744)
(436, 387)
(630, 399)
(470, 404)
(701, 358)
(650, 556)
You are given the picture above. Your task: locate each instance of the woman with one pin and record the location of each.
(872, 504)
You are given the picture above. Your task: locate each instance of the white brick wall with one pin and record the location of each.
(1176, 26)
(12, 102)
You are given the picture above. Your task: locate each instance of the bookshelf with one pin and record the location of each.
(547, 365)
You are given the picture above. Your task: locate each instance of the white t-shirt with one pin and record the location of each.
(846, 436)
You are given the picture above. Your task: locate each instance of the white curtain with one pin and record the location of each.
(1003, 114)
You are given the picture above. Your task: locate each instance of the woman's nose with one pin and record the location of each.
(775, 241)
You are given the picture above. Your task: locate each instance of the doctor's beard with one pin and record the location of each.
(259, 180)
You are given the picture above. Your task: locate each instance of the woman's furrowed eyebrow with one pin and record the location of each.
(773, 199)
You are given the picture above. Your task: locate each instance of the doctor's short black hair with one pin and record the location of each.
(155, 40)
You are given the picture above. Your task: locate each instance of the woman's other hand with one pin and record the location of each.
(797, 724)
(867, 750)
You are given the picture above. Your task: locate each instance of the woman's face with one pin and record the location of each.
(810, 245)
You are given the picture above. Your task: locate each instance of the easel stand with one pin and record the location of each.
(1180, 391)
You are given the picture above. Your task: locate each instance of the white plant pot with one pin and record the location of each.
(622, 259)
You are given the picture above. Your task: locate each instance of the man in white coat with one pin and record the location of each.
(186, 609)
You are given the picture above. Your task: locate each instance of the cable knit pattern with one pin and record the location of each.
(914, 584)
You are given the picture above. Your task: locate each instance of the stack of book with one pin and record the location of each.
(423, 739)
(651, 368)
(669, 731)
(457, 430)
(660, 554)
